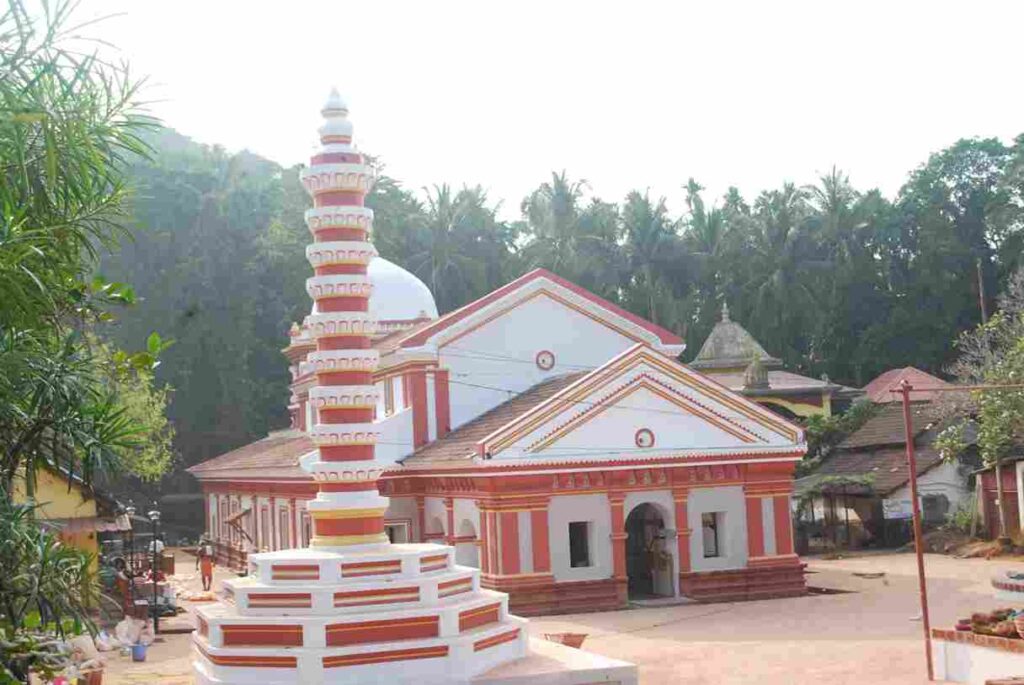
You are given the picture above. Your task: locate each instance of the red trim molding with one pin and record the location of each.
(442, 402)
(418, 396)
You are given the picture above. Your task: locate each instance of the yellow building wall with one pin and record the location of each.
(802, 409)
(56, 501)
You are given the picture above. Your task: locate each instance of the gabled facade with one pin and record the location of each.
(549, 435)
(639, 478)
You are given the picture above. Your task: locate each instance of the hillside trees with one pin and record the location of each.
(833, 279)
(68, 123)
(69, 402)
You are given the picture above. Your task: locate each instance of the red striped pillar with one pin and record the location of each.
(682, 530)
(755, 526)
(616, 501)
(541, 540)
(783, 525)
(348, 509)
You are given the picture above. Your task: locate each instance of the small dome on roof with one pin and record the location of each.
(730, 346)
(397, 294)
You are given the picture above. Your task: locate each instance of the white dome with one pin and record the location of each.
(397, 294)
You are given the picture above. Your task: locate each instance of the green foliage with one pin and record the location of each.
(959, 520)
(824, 433)
(835, 483)
(831, 279)
(992, 353)
(46, 589)
(68, 126)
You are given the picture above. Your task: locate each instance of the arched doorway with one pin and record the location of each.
(466, 551)
(648, 561)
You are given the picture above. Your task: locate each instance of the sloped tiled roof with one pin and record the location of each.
(782, 381)
(461, 443)
(276, 455)
(886, 468)
(879, 390)
(886, 427)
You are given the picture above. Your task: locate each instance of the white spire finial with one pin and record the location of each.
(334, 105)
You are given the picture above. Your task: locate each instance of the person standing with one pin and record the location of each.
(204, 562)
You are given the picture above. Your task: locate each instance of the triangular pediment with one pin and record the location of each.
(643, 403)
(542, 284)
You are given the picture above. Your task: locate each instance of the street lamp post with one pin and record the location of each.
(130, 571)
(154, 517)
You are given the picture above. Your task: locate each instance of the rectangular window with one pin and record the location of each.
(397, 532)
(579, 544)
(711, 526)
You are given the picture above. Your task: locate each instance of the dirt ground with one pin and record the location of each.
(868, 633)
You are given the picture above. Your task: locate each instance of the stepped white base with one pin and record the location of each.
(545, 663)
(377, 613)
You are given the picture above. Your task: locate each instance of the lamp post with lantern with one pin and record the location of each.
(154, 518)
(129, 511)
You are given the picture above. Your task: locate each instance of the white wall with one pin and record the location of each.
(434, 508)
(481, 357)
(944, 479)
(768, 523)
(213, 522)
(466, 512)
(610, 430)
(592, 508)
(403, 509)
(395, 439)
(732, 540)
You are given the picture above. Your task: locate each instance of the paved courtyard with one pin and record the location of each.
(867, 634)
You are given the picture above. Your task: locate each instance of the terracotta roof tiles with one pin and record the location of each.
(886, 427)
(879, 390)
(276, 455)
(461, 443)
(886, 468)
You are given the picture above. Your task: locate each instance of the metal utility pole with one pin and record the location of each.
(904, 391)
(908, 431)
(154, 569)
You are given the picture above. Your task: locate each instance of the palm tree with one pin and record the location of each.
(650, 241)
(462, 246)
(782, 253)
(577, 242)
(553, 215)
(705, 237)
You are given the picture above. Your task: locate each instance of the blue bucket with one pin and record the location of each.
(138, 652)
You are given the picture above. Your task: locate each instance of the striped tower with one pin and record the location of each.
(351, 608)
(348, 509)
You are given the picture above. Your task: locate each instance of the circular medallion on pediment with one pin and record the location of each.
(644, 438)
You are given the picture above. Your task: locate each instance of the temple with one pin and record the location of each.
(351, 607)
(551, 438)
(732, 356)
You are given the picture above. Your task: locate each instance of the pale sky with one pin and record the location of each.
(628, 95)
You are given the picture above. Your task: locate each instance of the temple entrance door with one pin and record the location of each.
(648, 563)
